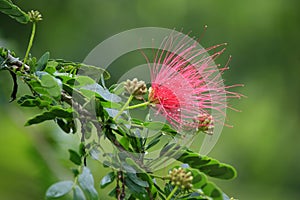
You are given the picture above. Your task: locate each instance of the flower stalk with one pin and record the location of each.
(172, 193)
(124, 107)
(29, 44)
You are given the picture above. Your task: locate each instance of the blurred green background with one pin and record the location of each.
(263, 39)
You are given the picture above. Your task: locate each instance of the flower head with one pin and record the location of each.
(186, 84)
(180, 177)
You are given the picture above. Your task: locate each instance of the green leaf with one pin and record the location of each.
(59, 189)
(82, 149)
(63, 125)
(104, 93)
(136, 190)
(199, 178)
(74, 157)
(211, 190)
(154, 141)
(54, 112)
(107, 179)
(124, 141)
(78, 193)
(81, 81)
(93, 71)
(207, 165)
(157, 126)
(27, 101)
(86, 182)
(52, 84)
(137, 180)
(8, 8)
(42, 62)
(149, 180)
(51, 67)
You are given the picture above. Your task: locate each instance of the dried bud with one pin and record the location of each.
(181, 178)
(205, 123)
(35, 16)
(136, 88)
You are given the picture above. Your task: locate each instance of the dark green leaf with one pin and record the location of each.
(63, 125)
(42, 62)
(199, 179)
(107, 179)
(78, 194)
(59, 189)
(82, 149)
(137, 190)
(205, 164)
(157, 126)
(112, 193)
(8, 8)
(154, 141)
(211, 190)
(149, 180)
(86, 182)
(27, 101)
(54, 112)
(137, 180)
(74, 157)
(75, 172)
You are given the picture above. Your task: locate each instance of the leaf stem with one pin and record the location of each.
(124, 107)
(172, 193)
(160, 177)
(138, 105)
(29, 44)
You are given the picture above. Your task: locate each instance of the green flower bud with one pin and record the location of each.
(136, 88)
(35, 16)
(179, 177)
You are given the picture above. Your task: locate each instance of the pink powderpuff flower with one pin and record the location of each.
(186, 85)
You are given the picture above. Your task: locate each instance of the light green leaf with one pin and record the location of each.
(86, 182)
(107, 179)
(42, 62)
(78, 194)
(52, 85)
(59, 189)
(81, 81)
(93, 71)
(51, 67)
(104, 93)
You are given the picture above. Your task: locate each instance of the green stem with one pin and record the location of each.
(160, 177)
(29, 44)
(124, 107)
(138, 105)
(172, 193)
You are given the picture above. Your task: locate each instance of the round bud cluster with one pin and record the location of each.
(179, 177)
(205, 123)
(136, 88)
(35, 16)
